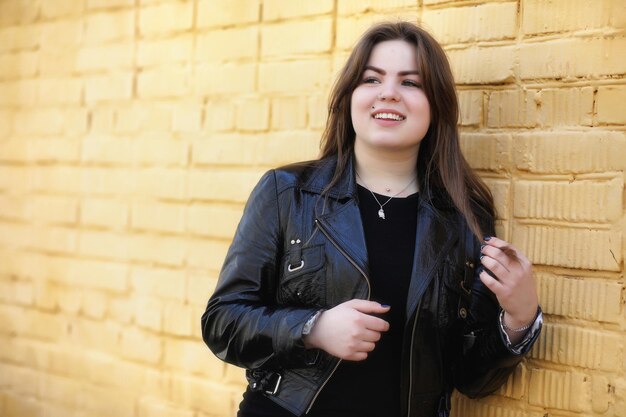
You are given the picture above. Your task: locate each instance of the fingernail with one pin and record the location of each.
(385, 305)
(487, 238)
(480, 270)
(481, 257)
(482, 247)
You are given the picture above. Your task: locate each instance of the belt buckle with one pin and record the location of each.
(272, 391)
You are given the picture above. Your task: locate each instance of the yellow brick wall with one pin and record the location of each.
(132, 131)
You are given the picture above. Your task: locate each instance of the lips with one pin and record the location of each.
(388, 114)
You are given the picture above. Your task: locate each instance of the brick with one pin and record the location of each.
(105, 245)
(104, 212)
(169, 51)
(484, 151)
(585, 248)
(192, 357)
(158, 216)
(101, 400)
(61, 8)
(98, 275)
(283, 148)
(162, 183)
(362, 6)
(148, 313)
(20, 37)
(6, 122)
(497, 64)
(48, 149)
(501, 190)
(279, 9)
(18, 65)
(143, 118)
(141, 346)
(572, 58)
(573, 200)
(60, 62)
(213, 220)
(512, 108)
(565, 106)
(227, 44)
(516, 385)
(216, 13)
(225, 78)
(110, 87)
(466, 407)
(290, 77)
(154, 407)
(19, 93)
(540, 17)
(106, 57)
(226, 149)
(178, 319)
(253, 114)
(66, 32)
(109, 26)
(187, 118)
(158, 250)
(94, 304)
(219, 116)
(574, 346)
(121, 310)
(54, 239)
(563, 390)
(103, 4)
(317, 110)
(58, 389)
(107, 149)
(580, 298)
(13, 207)
(12, 12)
(210, 397)
(350, 28)
(292, 38)
(166, 18)
(159, 149)
(223, 184)
(471, 107)
(60, 91)
(569, 152)
(163, 283)
(199, 289)
(164, 82)
(207, 253)
(489, 21)
(610, 102)
(52, 209)
(289, 113)
(18, 406)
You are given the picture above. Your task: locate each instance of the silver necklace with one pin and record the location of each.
(381, 211)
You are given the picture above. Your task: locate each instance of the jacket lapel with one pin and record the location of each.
(433, 239)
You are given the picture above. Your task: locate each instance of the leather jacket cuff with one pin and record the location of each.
(524, 345)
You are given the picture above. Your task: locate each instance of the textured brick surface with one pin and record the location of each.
(132, 132)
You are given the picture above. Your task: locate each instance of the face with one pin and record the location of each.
(389, 109)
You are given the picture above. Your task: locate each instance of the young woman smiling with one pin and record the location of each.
(369, 282)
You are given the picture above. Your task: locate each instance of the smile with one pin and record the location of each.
(388, 116)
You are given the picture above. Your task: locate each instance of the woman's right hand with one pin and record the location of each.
(348, 331)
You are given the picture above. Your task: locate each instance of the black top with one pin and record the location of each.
(369, 388)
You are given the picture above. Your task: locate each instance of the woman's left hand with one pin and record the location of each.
(514, 286)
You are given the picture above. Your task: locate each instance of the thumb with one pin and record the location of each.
(365, 306)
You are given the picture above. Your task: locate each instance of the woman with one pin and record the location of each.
(353, 285)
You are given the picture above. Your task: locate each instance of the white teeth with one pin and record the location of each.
(391, 116)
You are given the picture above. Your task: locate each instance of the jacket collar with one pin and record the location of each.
(346, 186)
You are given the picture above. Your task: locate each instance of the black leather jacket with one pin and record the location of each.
(295, 253)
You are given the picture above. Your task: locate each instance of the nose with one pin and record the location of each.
(389, 92)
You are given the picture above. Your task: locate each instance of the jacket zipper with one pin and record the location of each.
(369, 289)
(417, 313)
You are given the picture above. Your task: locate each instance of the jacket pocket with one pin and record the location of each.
(450, 289)
(303, 282)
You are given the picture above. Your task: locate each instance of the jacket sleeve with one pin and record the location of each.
(487, 359)
(242, 324)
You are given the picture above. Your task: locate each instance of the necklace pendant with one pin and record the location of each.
(381, 213)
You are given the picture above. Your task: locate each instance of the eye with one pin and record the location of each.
(370, 80)
(412, 83)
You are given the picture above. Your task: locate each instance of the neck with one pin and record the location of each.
(386, 173)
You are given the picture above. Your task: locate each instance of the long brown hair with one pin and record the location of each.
(440, 165)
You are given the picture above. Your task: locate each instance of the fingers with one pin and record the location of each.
(367, 307)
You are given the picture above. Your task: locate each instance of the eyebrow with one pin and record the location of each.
(383, 72)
